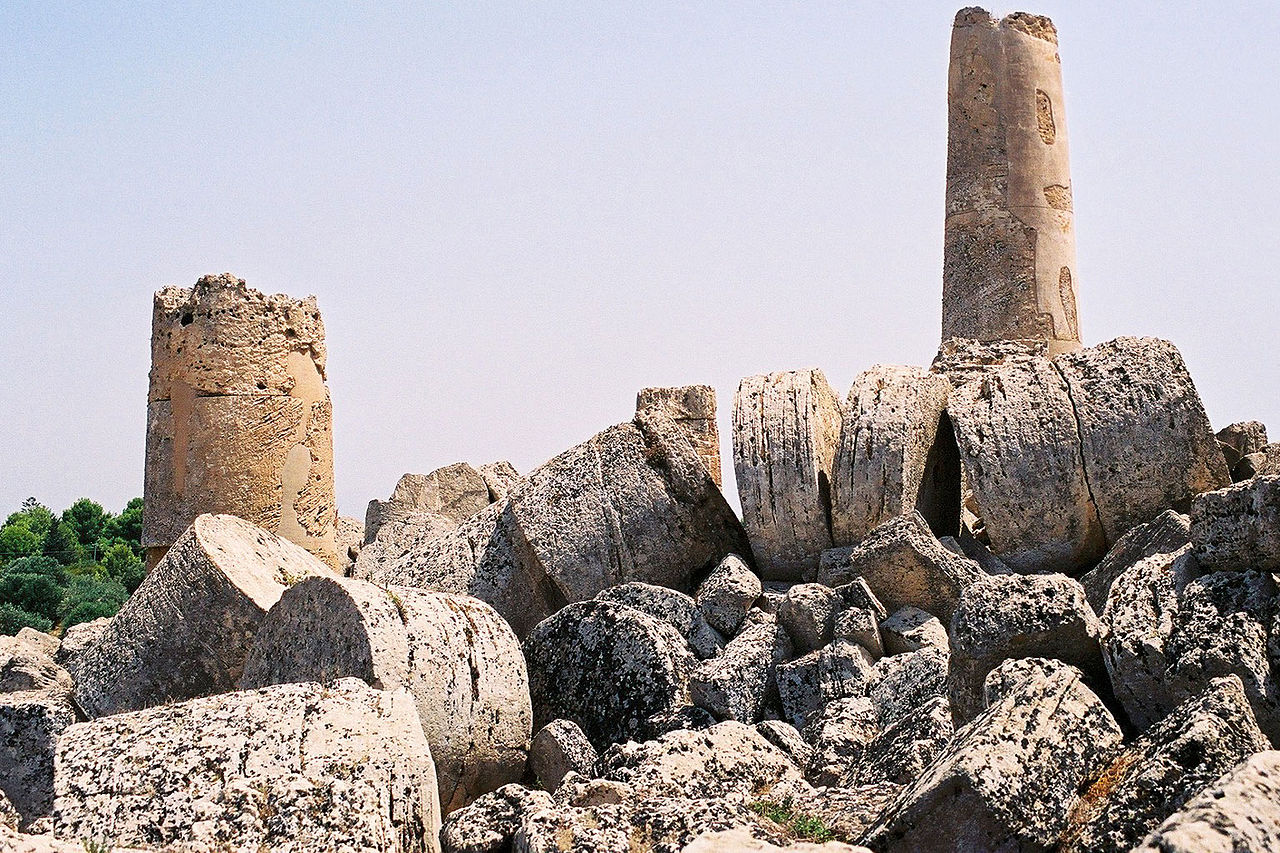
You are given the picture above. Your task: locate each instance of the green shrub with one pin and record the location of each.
(13, 619)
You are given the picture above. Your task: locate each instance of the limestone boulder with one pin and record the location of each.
(1264, 463)
(840, 734)
(1020, 443)
(186, 630)
(77, 640)
(693, 408)
(501, 477)
(1238, 813)
(848, 812)
(896, 454)
(1007, 780)
(902, 683)
(456, 656)
(786, 428)
(910, 629)
(31, 721)
(454, 493)
(606, 667)
(1011, 673)
(787, 738)
(662, 603)
(560, 748)
(735, 684)
(902, 751)
(859, 625)
(1239, 527)
(728, 760)
(1169, 764)
(1012, 616)
(296, 767)
(807, 684)
(1164, 534)
(488, 824)
(1146, 439)
(808, 613)
(27, 663)
(348, 537)
(1238, 440)
(904, 565)
(963, 360)
(727, 594)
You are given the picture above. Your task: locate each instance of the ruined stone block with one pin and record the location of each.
(239, 419)
(896, 454)
(186, 630)
(786, 427)
(693, 408)
(455, 655)
(1239, 527)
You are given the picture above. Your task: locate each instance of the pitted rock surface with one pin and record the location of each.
(727, 594)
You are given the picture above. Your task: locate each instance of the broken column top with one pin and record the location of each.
(223, 338)
(1009, 253)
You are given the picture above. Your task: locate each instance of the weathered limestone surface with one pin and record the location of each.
(901, 752)
(1008, 779)
(1241, 439)
(1263, 463)
(30, 724)
(742, 841)
(692, 407)
(1014, 616)
(786, 427)
(557, 749)
(902, 683)
(455, 492)
(295, 767)
(501, 477)
(809, 683)
(727, 594)
(963, 360)
(904, 565)
(487, 825)
(1009, 250)
(662, 603)
(633, 503)
(1017, 432)
(840, 735)
(911, 629)
(1164, 534)
(1173, 761)
(457, 657)
(186, 630)
(238, 417)
(1239, 527)
(896, 454)
(1146, 440)
(735, 684)
(1238, 813)
(1011, 673)
(606, 667)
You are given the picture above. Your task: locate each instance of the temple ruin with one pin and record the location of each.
(238, 416)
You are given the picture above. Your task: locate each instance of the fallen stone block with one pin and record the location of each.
(455, 655)
(1007, 780)
(806, 685)
(742, 841)
(78, 639)
(727, 594)
(901, 752)
(787, 738)
(808, 613)
(1011, 673)
(693, 408)
(840, 734)
(1264, 463)
(901, 683)
(488, 824)
(28, 664)
(785, 430)
(858, 624)
(1012, 616)
(1146, 440)
(453, 493)
(735, 684)
(662, 603)
(1238, 440)
(560, 748)
(911, 629)
(1164, 534)
(1238, 812)
(295, 767)
(1020, 442)
(30, 723)
(606, 667)
(186, 630)
(1169, 764)
(896, 454)
(1239, 527)
(904, 565)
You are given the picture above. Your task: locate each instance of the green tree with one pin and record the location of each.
(127, 526)
(87, 519)
(17, 539)
(13, 619)
(34, 584)
(39, 518)
(88, 598)
(62, 544)
(122, 564)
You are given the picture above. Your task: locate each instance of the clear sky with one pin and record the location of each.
(514, 215)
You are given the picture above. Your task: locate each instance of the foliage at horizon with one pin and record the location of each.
(57, 570)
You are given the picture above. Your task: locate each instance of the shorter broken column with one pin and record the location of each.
(786, 427)
(692, 407)
(238, 416)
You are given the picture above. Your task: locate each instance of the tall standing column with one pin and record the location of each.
(238, 416)
(1009, 255)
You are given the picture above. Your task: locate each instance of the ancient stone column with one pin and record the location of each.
(238, 416)
(1009, 255)
(693, 407)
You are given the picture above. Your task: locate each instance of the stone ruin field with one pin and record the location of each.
(1022, 599)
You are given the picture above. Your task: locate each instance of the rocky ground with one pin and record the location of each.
(1010, 603)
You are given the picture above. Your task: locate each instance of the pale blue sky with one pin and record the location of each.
(516, 214)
